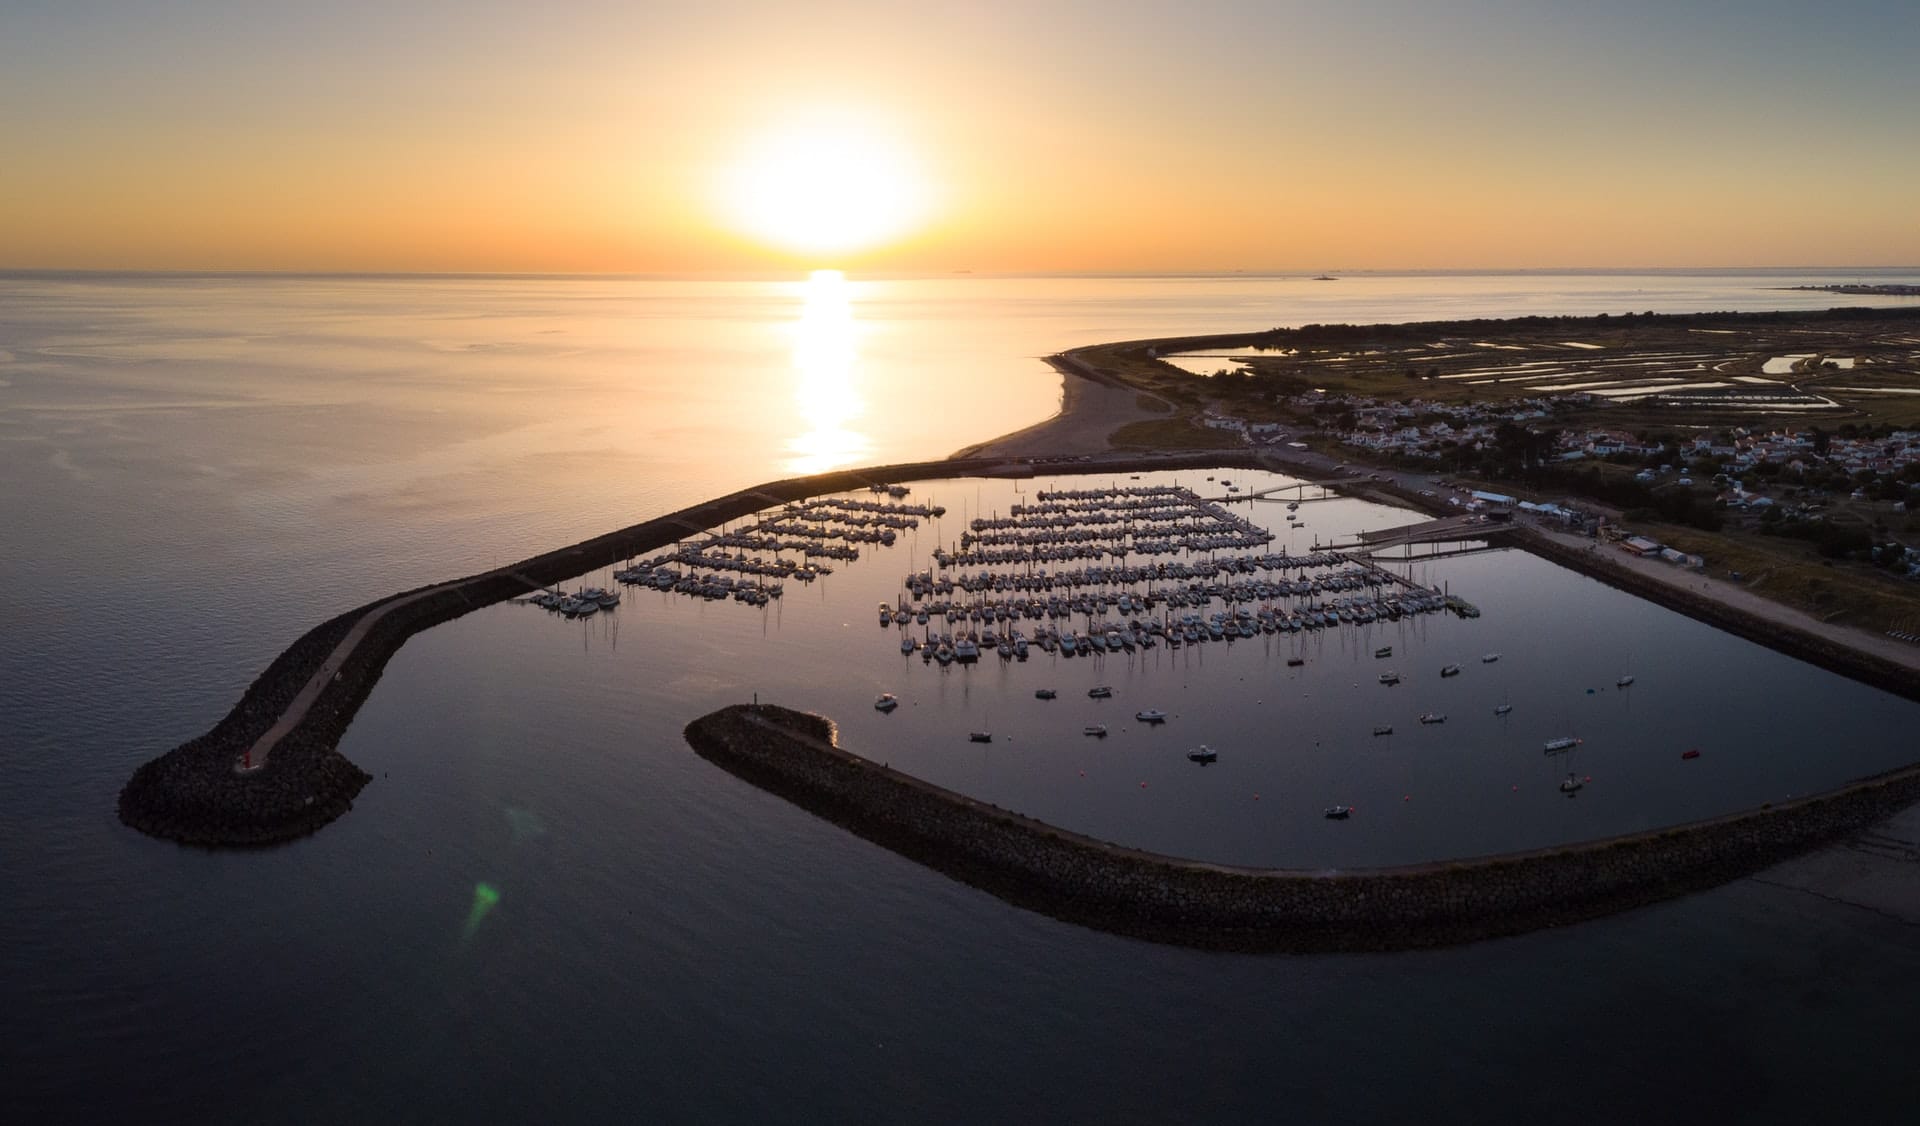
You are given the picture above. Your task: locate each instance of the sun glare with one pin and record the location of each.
(826, 187)
(826, 393)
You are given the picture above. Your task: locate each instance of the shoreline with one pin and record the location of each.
(301, 704)
(1092, 407)
(1756, 618)
(1093, 883)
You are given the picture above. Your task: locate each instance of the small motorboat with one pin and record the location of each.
(1434, 717)
(886, 703)
(981, 736)
(1570, 785)
(1101, 693)
(1338, 812)
(1383, 651)
(1151, 715)
(1389, 678)
(1563, 743)
(1384, 729)
(1044, 694)
(1203, 754)
(1295, 662)
(1097, 730)
(1450, 670)
(1691, 752)
(1502, 709)
(1623, 682)
(1489, 658)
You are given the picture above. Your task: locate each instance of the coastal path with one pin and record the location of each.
(255, 756)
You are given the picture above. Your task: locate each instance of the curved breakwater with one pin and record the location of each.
(1164, 899)
(193, 794)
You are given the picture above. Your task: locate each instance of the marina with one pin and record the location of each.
(1083, 678)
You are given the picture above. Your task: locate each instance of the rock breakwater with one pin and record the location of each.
(192, 794)
(1190, 903)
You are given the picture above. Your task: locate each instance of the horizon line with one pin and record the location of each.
(1304, 273)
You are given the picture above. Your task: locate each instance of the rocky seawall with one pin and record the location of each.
(1867, 668)
(1189, 903)
(192, 794)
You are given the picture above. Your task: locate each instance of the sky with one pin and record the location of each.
(419, 135)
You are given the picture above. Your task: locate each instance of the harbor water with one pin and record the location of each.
(544, 905)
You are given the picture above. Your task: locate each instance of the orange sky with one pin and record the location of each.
(1065, 136)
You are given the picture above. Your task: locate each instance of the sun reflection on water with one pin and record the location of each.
(826, 392)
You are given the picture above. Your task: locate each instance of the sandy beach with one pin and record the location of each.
(1092, 407)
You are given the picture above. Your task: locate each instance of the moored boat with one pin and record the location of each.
(1623, 682)
(886, 703)
(1691, 752)
(1203, 754)
(1502, 709)
(1151, 715)
(1489, 658)
(1389, 678)
(1295, 662)
(1383, 729)
(1570, 785)
(1563, 743)
(981, 736)
(1383, 651)
(1450, 670)
(1338, 812)
(1044, 694)
(1434, 717)
(1097, 730)
(1100, 693)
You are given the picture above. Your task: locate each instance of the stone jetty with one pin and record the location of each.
(194, 795)
(1189, 903)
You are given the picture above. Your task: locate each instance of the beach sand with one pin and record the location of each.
(1091, 408)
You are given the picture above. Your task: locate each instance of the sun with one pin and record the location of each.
(830, 185)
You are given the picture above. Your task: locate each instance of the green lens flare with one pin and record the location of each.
(484, 897)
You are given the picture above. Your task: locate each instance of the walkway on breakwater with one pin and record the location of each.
(1735, 596)
(255, 756)
(1193, 903)
(287, 724)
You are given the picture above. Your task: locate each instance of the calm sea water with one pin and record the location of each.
(196, 469)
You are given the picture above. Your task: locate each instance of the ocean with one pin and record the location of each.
(544, 905)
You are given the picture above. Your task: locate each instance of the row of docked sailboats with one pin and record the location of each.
(580, 604)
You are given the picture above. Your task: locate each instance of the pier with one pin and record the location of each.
(1104, 886)
(1444, 529)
